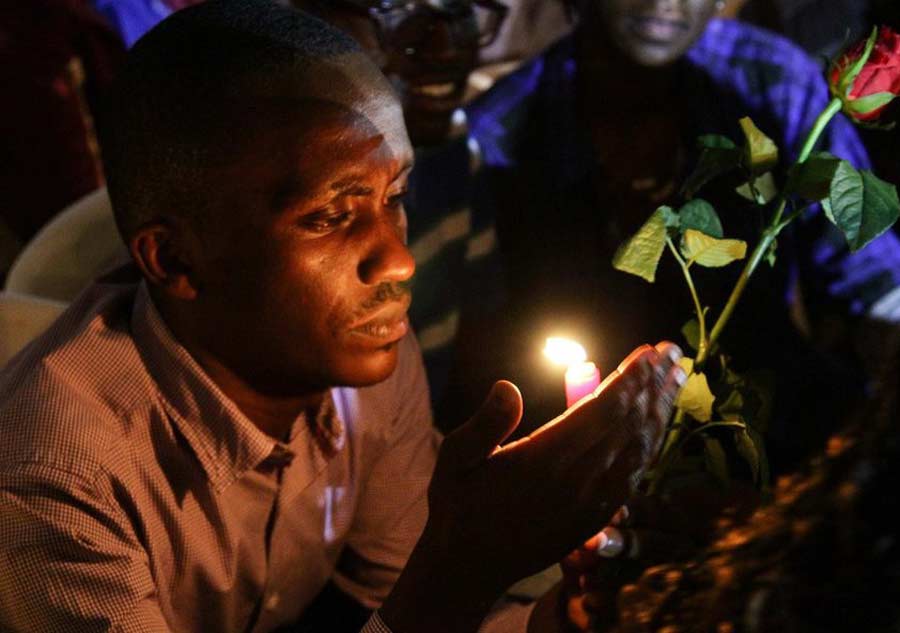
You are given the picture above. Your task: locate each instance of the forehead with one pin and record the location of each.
(300, 132)
(348, 90)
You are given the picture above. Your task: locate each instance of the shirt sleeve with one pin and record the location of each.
(69, 562)
(392, 506)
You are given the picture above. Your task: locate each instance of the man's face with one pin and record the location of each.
(655, 32)
(428, 56)
(307, 260)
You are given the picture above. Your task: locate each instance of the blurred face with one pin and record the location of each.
(306, 260)
(428, 56)
(655, 32)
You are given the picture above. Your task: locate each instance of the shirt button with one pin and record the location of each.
(273, 601)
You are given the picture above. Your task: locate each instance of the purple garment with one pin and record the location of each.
(734, 70)
(132, 18)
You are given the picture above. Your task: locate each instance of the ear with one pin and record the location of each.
(161, 252)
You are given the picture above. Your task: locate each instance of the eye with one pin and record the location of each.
(396, 201)
(325, 220)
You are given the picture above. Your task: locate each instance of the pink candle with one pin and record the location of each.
(581, 379)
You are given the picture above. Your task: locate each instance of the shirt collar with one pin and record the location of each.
(225, 441)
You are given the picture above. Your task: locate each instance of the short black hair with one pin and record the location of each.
(165, 117)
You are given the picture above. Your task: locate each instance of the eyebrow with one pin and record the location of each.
(352, 185)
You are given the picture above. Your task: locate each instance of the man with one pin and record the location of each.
(587, 139)
(452, 240)
(176, 455)
(428, 50)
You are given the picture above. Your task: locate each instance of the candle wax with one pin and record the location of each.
(581, 380)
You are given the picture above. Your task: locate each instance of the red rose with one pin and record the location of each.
(867, 77)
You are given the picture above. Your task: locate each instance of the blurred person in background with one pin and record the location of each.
(60, 57)
(583, 142)
(133, 18)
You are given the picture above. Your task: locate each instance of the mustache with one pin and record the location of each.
(387, 292)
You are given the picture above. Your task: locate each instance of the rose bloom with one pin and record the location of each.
(879, 75)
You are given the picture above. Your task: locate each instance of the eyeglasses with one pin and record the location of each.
(405, 25)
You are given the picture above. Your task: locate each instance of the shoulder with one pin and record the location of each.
(66, 399)
(769, 77)
(735, 44)
(498, 113)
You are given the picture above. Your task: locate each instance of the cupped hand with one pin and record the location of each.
(513, 510)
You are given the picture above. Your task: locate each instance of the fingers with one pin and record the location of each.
(594, 419)
(492, 423)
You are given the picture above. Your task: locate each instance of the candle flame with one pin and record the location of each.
(563, 351)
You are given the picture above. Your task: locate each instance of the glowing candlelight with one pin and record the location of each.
(582, 376)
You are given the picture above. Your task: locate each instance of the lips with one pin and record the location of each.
(439, 95)
(435, 90)
(657, 30)
(386, 325)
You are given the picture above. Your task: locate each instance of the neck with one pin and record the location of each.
(613, 81)
(273, 413)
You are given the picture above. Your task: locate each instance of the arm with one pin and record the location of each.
(69, 558)
(498, 514)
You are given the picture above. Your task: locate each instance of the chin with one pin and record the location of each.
(369, 369)
(652, 56)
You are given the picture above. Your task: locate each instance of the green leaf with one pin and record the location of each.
(731, 408)
(716, 461)
(671, 218)
(761, 191)
(861, 205)
(812, 179)
(695, 397)
(710, 252)
(881, 209)
(714, 161)
(844, 204)
(640, 254)
(756, 389)
(715, 141)
(746, 447)
(760, 152)
(700, 215)
(870, 103)
(691, 333)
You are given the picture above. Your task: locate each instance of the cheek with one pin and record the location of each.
(317, 290)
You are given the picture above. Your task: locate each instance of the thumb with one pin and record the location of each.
(497, 417)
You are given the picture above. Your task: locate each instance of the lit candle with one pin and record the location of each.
(582, 376)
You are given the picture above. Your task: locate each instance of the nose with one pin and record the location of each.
(387, 259)
(439, 41)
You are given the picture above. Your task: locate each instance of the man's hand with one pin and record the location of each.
(497, 514)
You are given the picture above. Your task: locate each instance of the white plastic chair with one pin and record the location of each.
(69, 252)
